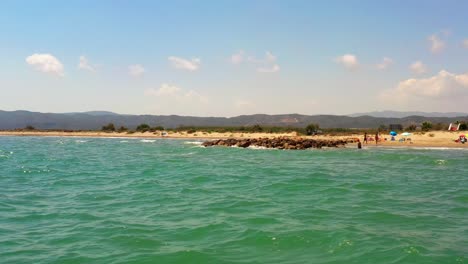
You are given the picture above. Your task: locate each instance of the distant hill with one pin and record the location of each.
(397, 114)
(95, 113)
(87, 121)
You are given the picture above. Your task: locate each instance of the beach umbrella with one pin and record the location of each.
(406, 134)
(393, 133)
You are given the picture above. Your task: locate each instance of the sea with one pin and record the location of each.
(128, 200)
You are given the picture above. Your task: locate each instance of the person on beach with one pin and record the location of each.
(365, 137)
(376, 138)
(359, 145)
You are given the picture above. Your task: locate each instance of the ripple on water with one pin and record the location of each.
(169, 201)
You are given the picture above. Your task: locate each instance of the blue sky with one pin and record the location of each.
(226, 58)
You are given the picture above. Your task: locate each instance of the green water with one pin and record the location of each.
(89, 200)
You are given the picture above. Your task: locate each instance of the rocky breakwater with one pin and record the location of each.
(279, 143)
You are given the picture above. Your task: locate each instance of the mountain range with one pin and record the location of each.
(96, 119)
(398, 114)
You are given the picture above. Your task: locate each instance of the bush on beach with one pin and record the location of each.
(108, 128)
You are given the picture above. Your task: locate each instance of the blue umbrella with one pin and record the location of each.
(393, 133)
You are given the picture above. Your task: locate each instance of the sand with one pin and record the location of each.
(418, 139)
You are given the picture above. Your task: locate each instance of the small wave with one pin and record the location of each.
(439, 148)
(441, 162)
(81, 141)
(193, 142)
(123, 141)
(148, 140)
(257, 147)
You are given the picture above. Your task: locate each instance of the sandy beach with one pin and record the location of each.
(442, 139)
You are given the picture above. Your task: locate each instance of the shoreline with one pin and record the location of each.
(433, 139)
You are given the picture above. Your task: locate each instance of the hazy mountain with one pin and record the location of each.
(95, 113)
(86, 121)
(397, 114)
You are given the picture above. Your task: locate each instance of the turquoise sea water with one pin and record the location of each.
(98, 200)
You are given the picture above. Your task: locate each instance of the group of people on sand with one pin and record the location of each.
(376, 138)
(368, 138)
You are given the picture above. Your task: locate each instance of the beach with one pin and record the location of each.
(440, 139)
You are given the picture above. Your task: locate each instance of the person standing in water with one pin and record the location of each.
(365, 137)
(377, 137)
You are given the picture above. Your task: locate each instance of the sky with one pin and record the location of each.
(229, 58)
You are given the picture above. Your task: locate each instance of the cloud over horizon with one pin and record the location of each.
(447, 90)
(386, 62)
(436, 43)
(184, 64)
(238, 57)
(46, 63)
(169, 90)
(83, 64)
(418, 67)
(349, 61)
(267, 64)
(136, 70)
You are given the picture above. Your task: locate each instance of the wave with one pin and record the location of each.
(193, 142)
(148, 140)
(257, 147)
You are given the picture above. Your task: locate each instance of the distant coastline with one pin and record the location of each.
(437, 139)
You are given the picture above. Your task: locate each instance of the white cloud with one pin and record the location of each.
(271, 69)
(465, 43)
(84, 64)
(437, 44)
(136, 70)
(184, 64)
(172, 91)
(269, 57)
(164, 90)
(46, 63)
(237, 58)
(386, 62)
(349, 61)
(418, 67)
(266, 65)
(442, 84)
(446, 90)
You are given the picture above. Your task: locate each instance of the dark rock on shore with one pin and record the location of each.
(278, 143)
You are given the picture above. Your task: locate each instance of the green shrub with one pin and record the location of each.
(426, 126)
(122, 129)
(411, 128)
(143, 128)
(108, 128)
(311, 129)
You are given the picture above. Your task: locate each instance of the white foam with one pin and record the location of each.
(257, 147)
(440, 148)
(81, 141)
(441, 162)
(193, 142)
(148, 140)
